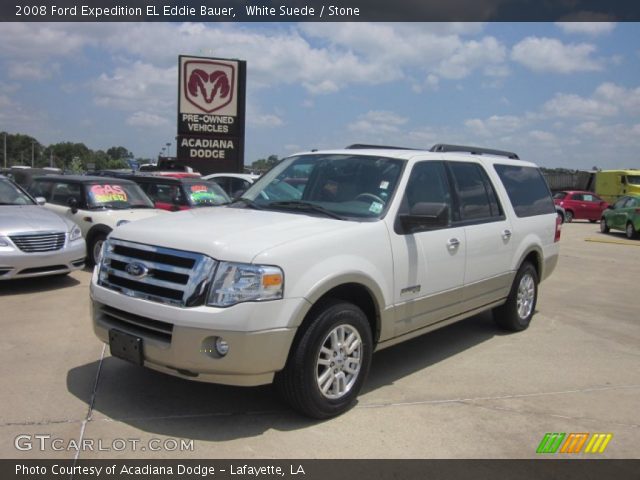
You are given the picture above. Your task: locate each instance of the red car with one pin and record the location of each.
(580, 205)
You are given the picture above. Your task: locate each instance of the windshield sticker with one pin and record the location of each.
(108, 193)
(384, 185)
(203, 196)
(199, 188)
(376, 207)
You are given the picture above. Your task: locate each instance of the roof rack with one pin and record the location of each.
(360, 146)
(443, 147)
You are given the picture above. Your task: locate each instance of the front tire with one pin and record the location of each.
(630, 231)
(95, 247)
(515, 315)
(604, 228)
(329, 362)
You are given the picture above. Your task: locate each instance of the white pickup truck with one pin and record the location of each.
(330, 256)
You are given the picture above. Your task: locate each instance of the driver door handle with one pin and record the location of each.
(453, 243)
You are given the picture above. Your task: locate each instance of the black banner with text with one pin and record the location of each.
(319, 11)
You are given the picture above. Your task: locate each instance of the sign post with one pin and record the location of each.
(211, 114)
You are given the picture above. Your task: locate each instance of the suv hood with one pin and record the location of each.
(231, 234)
(30, 218)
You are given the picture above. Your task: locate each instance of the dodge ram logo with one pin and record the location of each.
(208, 85)
(136, 269)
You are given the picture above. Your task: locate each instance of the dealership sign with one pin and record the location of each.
(211, 104)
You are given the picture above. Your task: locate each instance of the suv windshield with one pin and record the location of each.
(338, 186)
(12, 195)
(116, 196)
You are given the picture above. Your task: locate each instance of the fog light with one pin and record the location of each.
(222, 347)
(214, 347)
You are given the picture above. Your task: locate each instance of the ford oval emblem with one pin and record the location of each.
(136, 269)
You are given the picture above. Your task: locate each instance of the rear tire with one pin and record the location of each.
(568, 216)
(604, 228)
(515, 315)
(630, 231)
(329, 361)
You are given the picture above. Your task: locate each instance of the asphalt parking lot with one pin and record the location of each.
(465, 391)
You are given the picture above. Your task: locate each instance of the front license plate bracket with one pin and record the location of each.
(125, 346)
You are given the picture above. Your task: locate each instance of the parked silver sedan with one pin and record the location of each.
(35, 242)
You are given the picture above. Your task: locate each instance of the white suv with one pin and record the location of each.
(300, 284)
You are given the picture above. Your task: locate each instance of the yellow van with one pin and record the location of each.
(612, 184)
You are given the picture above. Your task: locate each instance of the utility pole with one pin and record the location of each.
(32, 152)
(51, 157)
(5, 149)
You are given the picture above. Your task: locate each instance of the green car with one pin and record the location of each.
(623, 215)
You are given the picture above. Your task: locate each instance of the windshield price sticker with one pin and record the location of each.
(203, 196)
(108, 193)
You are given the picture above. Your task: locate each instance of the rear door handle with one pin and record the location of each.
(506, 234)
(453, 243)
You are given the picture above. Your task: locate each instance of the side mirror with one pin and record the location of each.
(73, 204)
(41, 200)
(425, 216)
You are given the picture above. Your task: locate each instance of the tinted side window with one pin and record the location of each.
(62, 192)
(476, 195)
(224, 184)
(427, 184)
(238, 186)
(41, 189)
(427, 187)
(527, 190)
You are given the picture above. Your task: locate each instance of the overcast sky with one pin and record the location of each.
(561, 95)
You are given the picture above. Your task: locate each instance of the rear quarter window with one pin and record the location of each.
(527, 190)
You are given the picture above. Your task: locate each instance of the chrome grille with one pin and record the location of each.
(39, 242)
(155, 273)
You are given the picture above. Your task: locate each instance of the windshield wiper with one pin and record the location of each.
(307, 206)
(248, 203)
(139, 206)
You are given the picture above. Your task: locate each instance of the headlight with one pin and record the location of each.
(75, 233)
(3, 242)
(241, 282)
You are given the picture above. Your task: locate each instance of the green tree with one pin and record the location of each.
(76, 166)
(65, 152)
(119, 153)
(264, 164)
(20, 148)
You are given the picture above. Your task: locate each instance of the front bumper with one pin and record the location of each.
(18, 264)
(178, 341)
